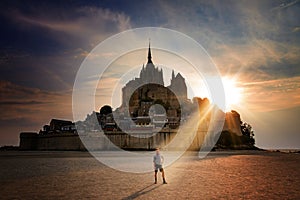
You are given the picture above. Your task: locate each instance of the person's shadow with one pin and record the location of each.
(142, 191)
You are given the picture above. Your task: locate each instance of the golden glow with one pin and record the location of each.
(233, 93)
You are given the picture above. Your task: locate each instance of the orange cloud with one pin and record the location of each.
(271, 95)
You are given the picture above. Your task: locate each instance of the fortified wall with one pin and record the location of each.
(64, 141)
(72, 142)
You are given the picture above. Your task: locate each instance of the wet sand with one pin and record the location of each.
(221, 175)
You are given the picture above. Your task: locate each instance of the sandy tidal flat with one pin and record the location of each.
(221, 175)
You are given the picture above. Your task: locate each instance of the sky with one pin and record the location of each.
(256, 43)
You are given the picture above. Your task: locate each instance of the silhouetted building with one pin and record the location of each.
(142, 93)
(153, 75)
(57, 124)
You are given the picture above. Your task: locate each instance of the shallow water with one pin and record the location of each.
(221, 175)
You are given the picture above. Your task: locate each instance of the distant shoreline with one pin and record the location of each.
(15, 150)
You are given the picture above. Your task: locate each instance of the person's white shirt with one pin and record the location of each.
(158, 159)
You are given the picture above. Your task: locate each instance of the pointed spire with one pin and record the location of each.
(149, 54)
(173, 75)
(142, 71)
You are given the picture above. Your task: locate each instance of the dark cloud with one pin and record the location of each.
(42, 43)
(9, 90)
(20, 122)
(22, 102)
(282, 69)
(17, 100)
(79, 27)
(44, 72)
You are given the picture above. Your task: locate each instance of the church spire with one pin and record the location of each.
(149, 54)
(173, 75)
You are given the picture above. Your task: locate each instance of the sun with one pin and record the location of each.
(233, 93)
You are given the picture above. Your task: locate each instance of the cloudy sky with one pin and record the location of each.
(257, 43)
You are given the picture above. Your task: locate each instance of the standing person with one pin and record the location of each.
(158, 161)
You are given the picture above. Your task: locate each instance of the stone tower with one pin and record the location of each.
(178, 86)
(148, 74)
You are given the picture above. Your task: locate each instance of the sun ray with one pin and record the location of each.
(233, 93)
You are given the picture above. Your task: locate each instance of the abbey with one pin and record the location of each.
(150, 111)
(149, 88)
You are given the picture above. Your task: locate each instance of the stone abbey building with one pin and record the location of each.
(151, 74)
(148, 89)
